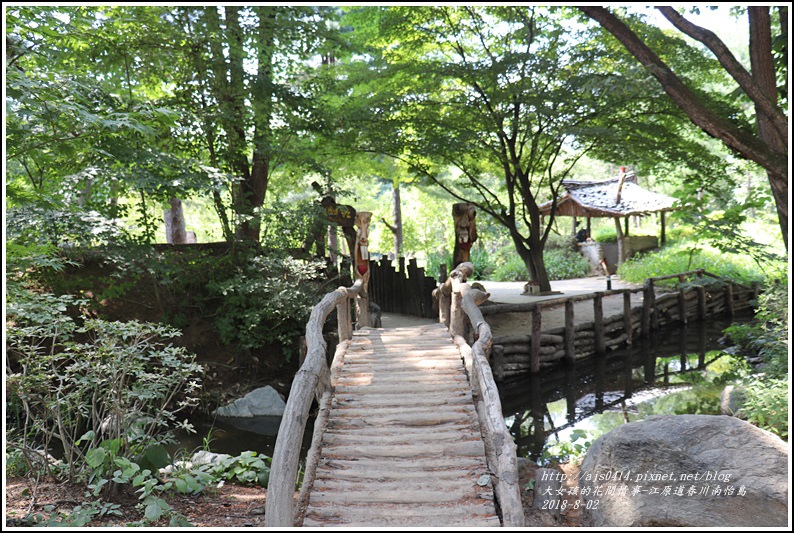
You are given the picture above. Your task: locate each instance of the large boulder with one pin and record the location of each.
(264, 401)
(685, 471)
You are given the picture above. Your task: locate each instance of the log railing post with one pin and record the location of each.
(647, 302)
(444, 305)
(682, 299)
(344, 327)
(598, 322)
(627, 322)
(702, 313)
(534, 353)
(456, 322)
(570, 332)
(729, 299)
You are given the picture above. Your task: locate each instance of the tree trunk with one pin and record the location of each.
(533, 259)
(763, 69)
(397, 217)
(175, 223)
(233, 98)
(333, 245)
(263, 111)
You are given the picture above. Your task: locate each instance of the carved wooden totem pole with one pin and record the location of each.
(342, 215)
(360, 255)
(465, 232)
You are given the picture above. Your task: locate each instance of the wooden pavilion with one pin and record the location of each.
(618, 198)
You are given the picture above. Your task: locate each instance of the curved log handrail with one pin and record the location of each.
(501, 448)
(311, 381)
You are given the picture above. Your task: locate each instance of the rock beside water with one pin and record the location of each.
(264, 401)
(685, 471)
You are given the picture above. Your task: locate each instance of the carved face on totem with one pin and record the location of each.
(464, 215)
(362, 242)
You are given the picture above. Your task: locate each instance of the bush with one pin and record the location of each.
(605, 234)
(435, 260)
(100, 389)
(561, 263)
(565, 264)
(478, 256)
(764, 400)
(267, 301)
(512, 269)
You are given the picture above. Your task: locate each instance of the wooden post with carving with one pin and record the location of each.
(342, 215)
(360, 255)
(464, 215)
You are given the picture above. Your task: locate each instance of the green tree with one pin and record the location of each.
(248, 118)
(85, 127)
(497, 104)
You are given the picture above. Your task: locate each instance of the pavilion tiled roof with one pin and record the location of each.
(599, 199)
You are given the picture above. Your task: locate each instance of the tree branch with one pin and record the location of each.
(733, 67)
(735, 138)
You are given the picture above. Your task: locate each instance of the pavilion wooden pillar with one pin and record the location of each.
(663, 238)
(621, 244)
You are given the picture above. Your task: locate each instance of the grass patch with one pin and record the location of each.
(684, 257)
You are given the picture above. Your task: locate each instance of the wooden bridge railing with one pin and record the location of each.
(313, 380)
(458, 301)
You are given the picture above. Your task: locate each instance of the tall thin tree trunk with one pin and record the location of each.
(763, 71)
(398, 219)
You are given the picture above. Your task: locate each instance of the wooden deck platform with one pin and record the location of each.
(402, 446)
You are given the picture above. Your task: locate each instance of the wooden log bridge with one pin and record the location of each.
(402, 444)
(409, 431)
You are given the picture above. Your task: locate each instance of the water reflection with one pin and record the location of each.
(546, 406)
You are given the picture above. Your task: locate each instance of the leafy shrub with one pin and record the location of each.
(764, 403)
(564, 263)
(764, 398)
(512, 269)
(767, 335)
(605, 234)
(561, 263)
(110, 386)
(435, 260)
(247, 467)
(266, 301)
(483, 265)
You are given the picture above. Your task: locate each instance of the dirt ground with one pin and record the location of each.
(231, 505)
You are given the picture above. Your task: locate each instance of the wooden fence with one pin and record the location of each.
(406, 291)
(695, 300)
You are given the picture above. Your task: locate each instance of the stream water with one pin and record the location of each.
(675, 371)
(670, 372)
